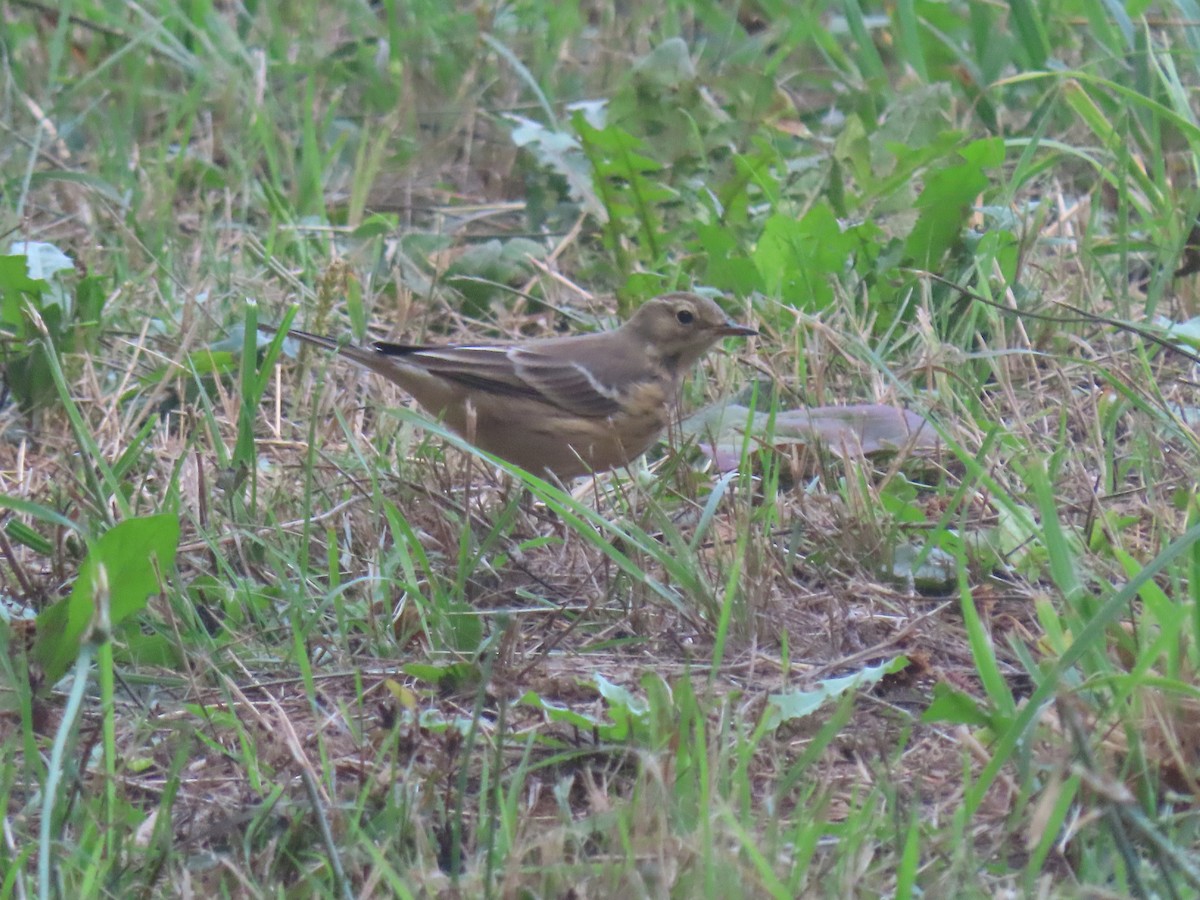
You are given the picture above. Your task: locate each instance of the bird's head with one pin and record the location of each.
(679, 328)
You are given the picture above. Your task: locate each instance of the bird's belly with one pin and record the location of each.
(570, 446)
(542, 438)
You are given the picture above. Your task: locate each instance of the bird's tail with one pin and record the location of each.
(368, 359)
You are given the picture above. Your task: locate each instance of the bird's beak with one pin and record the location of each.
(733, 329)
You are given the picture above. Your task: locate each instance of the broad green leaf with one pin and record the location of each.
(450, 678)
(43, 261)
(954, 707)
(948, 197)
(561, 714)
(797, 259)
(628, 712)
(128, 561)
(15, 283)
(798, 704)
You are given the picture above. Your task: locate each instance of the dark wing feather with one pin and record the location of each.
(556, 378)
(570, 385)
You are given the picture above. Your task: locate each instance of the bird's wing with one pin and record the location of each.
(551, 376)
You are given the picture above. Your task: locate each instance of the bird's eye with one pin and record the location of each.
(685, 317)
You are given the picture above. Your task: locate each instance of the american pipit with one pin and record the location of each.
(569, 405)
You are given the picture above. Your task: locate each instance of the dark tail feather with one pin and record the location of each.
(389, 349)
(375, 360)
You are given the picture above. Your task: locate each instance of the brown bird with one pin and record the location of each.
(566, 405)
